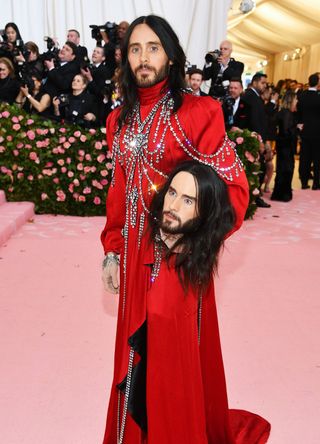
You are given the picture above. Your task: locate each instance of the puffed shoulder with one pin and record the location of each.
(202, 104)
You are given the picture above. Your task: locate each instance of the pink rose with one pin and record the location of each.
(70, 174)
(109, 166)
(87, 190)
(56, 180)
(49, 164)
(98, 145)
(15, 152)
(88, 157)
(52, 130)
(71, 187)
(31, 135)
(15, 119)
(239, 140)
(20, 145)
(9, 138)
(87, 169)
(76, 182)
(39, 131)
(20, 175)
(71, 139)
(255, 192)
(40, 176)
(104, 142)
(97, 184)
(5, 114)
(16, 126)
(249, 156)
(83, 177)
(93, 169)
(101, 158)
(62, 139)
(62, 130)
(97, 200)
(2, 149)
(66, 145)
(109, 155)
(68, 160)
(60, 162)
(79, 167)
(92, 131)
(63, 170)
(44, 196)
(82, 198)
(81, 153)
(33, 155)
(83, 138)
(30, 177)
(77, 134)
(104, 173)
(20, 117)
(61, 197)
(55, 150)
(104, 182)
(30, 122)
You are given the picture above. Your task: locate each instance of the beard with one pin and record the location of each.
(187, 228)
(145, 81)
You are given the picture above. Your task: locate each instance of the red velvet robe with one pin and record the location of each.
(186, 399)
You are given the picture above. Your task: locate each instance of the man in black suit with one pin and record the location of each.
(236, 111)
(221, 69)
(258, 122)
(195, 81)
(97, 74)
(309, 124)
(59, 78)
(81, 52)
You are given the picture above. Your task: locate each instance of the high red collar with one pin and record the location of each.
(154, 93)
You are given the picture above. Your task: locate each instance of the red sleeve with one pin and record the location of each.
(207, 131)
(111, 236)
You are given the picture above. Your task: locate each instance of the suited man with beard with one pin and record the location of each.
(308, 123)
(236, 111)
(221, 69)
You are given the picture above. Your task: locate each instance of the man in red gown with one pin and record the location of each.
(165, 390)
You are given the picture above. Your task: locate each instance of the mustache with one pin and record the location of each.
(144, 66)
(174, 216)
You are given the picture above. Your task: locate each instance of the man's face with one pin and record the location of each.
(235, 89)
(226, 49)
(66, 54)
(122, 29)
(117, 56)
(73, 37)
(195, 81)
(98, 55)
(260, 85)
(180, 204)
(148, 61)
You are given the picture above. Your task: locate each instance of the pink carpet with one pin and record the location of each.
(57, 326)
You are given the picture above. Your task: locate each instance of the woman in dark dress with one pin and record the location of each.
(36, 100)
(285, 148)
(79, 107)
(9, 86)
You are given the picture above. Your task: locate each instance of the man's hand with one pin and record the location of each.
(87, 73)
(110, 273)
(49, 64)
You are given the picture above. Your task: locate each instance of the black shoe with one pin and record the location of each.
(305, 187)
(261, 203)
(316, 187)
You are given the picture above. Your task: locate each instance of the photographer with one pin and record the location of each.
(32, 61)
(34, 100)
(59, 78)
(81, 52)
(220, 67)
(12, 42)
(9, 86)
(77, 107)
(96, 74)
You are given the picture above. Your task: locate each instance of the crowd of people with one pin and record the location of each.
(62, 83)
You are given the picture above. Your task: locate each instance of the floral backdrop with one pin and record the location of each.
(65, 169)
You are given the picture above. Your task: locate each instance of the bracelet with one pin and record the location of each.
(29, 96)
(110, 258)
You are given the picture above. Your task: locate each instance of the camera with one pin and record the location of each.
(51, 53)
(212, 56)
(109, 27)
(64, 99)
(85, 63)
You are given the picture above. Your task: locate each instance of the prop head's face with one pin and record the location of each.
(148, 60)
(180, 206)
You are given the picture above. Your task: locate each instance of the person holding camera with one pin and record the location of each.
(81, 51)
(9, 86)
(77, 107)
(33, 98)
(28, 61)
(97, 74)
(59, 78)
(12, 41)
(220, 67)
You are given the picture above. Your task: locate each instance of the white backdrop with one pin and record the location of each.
(200, 24)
